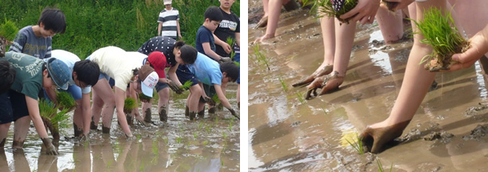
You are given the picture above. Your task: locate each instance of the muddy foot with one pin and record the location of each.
(187, 111)
(201, 114)
(163, 116)
(147, 116)
(78, 131)
(130, 119)
(93, 126)
(192, 116)
(105, 130)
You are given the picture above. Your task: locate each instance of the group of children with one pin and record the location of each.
(31, 70)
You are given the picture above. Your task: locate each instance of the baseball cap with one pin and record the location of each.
(59, 72)
(167, 2)
(158, 61)
(149, 79)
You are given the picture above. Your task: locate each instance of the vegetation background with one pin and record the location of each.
(92, 24)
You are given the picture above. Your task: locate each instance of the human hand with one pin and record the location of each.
(181, 37)
(175, 87)
(364, 11)
(399, 4)
(478, 47)
(233, 112)
(209, 100)
(227, 48)
(50, 148)
(225, 59)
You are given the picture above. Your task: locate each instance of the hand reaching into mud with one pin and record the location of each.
(177, 89)
(233, 112)
(364, 11)
(323, 71)
(210, 101)
(50, 148)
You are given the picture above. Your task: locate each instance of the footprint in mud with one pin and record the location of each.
(478, 113)
(477, 133)
(443, 136)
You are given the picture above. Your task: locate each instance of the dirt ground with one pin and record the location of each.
(289, 133)
(208, 144)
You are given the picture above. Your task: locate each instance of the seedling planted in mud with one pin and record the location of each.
(356, 144)
(335, 8)
(260, 56)
(283, 84)
(380, 166)
(440, 32)
(300, 97)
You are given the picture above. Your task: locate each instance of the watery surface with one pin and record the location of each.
(211, 144)
(288, 133)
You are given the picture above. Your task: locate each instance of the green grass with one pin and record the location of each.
(261, 58)
(440, 32)
(357, 144)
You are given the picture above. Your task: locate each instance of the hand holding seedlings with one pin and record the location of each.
(175, 87)
(393, 5)
(364, 11)
(479, 46)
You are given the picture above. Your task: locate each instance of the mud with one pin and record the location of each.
(289, 133)
(208, 144)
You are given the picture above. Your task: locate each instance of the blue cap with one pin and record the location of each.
(60, 72)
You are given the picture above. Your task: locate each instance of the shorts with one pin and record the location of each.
(111, 81)
(11, 113)
(209, 90)
(185, 75)
(160, 86)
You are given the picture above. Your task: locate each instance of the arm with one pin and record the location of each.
(178, 28)
(209, 52)
(33, 108)
(238, 39)
(223, 44)
(159, 28)
(172, 74)
(364, 11)
(86, 111)
(222, 97)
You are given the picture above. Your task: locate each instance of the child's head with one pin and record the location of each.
(230, 71)
(59, 73)
(213, 17)
(7, 73)
(185, 54)
(167, 3)
(85, 73)
(52, 21)
(146, 80)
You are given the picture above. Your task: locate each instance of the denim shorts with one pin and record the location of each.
(160, 86)
(111, 81)
(11, 113)
(185, 75)
(237, 58)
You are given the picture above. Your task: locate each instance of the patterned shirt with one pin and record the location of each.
(28, 43)
(161, 44)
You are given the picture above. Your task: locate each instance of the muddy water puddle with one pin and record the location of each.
(209, 144)
(289, 133)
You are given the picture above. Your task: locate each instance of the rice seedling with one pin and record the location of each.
(52, 118)
(186, 85)
(129, 105)
(231, 42)
(207, 127)
(335, 8)
(178, 140)
(357, 144)
(441, 34)
(283, 84)
(65, 100)
(380, 166)
(300, 97)
(205, 143)
(195, 135)
(155, 148)
(260, 56)
(143, 97)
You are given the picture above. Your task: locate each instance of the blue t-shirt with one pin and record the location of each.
(28, 43)
(204, 35)
(206, 70)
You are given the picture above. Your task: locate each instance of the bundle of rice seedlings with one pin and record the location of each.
(65, 100)
(144, 98)
(53, 119)
(335, 8)
(129, 105)
(390, 5)
(441, 34)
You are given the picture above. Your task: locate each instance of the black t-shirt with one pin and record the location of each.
(228, 27)
(162, 44)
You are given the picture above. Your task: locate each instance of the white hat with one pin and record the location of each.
(149, 83)
(167, 2)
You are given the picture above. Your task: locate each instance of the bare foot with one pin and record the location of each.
(263, 39)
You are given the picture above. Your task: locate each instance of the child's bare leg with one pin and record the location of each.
(119, 102)
(78, 118)
(391, 24)
(328, 38)
(3, 134)
(274, 10)
(163, 103)
(105, 93)
(97, 106)
(21, 126)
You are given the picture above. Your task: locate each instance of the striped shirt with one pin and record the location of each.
(170, 19)
(27, 42)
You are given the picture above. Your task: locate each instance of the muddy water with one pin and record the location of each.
(208, 144)
(288, 133)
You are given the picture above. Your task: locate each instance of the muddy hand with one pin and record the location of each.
(324, 71)
(375, 139)
(233, 112)
(210, 101)
(312, 88)
(175, 87)
(225, 59)
(50, 148)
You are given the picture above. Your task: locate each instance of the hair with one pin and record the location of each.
(179, 44)
(188, 54)
(53, 19)
(87, 71)
(213, 13)
(134, 73)
(7, 73)
(231, 69)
